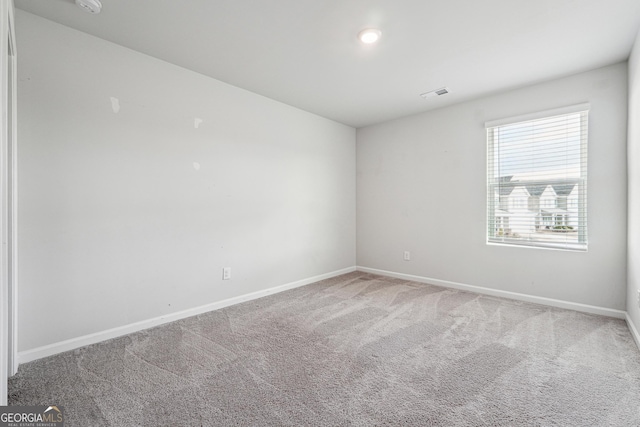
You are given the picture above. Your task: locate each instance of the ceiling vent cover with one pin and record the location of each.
(437, 92)
(90, 6)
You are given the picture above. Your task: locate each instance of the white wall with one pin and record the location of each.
(633, 154)
(421, 185)
(118, 226)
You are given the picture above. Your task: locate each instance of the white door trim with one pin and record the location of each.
(8, 337)
(13, 300)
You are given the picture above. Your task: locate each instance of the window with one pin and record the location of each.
(537, 179)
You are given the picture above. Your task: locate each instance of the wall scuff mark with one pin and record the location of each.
(115, 104)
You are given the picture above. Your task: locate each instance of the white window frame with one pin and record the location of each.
(495, 238)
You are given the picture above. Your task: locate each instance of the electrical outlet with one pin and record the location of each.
(407, 256)
(226, 273)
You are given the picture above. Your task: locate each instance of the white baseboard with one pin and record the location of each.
(619, 314)
(634, 331)
(73, 343)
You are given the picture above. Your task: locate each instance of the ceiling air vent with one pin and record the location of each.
(437, 92)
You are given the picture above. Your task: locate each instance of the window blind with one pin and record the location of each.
(537, 179)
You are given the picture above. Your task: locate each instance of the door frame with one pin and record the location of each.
(13, 158)
(8, 199)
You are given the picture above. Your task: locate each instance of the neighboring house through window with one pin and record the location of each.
(537, 179)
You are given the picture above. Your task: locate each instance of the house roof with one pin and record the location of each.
(563, 189)
(554, 211)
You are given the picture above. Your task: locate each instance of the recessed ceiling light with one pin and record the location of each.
(90, 6)
(369, 35)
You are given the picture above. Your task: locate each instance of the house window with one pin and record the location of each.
(537, 179)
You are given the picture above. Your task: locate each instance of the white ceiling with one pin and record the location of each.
(305, 52)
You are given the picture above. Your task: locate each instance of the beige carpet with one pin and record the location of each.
(355, 350)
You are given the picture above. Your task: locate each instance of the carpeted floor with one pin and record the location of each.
(355, 350)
